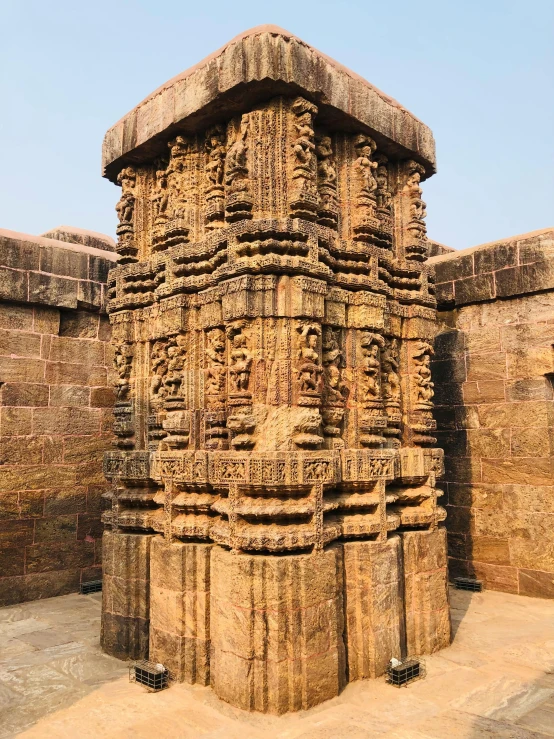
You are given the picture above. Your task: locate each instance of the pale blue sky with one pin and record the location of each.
(478, 72)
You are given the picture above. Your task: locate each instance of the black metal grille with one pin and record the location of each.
(93, 586)
(405, 672)
(153, 676)
(467, 583)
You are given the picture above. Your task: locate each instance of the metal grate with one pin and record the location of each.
(467, 583)
(93, 586)
(153, 676)
(402, 673)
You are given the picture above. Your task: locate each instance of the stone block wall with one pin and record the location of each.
(55, 412)
(493, 369)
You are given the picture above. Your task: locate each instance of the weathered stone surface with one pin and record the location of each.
(501, 520)
(50, 356)
(180, 609)
(126, 595)
(425, 591)
(374, 613)
(273, 322)
(255, 601)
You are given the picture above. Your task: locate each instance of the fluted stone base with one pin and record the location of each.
(277, 629)
(374, 611)
(180, 609)
(426, 591)
(125, 594)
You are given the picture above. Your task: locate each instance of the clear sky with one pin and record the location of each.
(479, 73)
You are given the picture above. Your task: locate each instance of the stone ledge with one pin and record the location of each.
(263, 57)
(518, 265)
(45, 271)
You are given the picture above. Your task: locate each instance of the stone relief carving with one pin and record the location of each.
(239, 201)
(304, 200)
(125, 210)
(273, 342)
(215, 170)
(424, 391)
(417, 246)
(373, 420)
(327, 213)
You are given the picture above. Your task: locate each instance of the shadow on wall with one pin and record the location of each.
(453, 421)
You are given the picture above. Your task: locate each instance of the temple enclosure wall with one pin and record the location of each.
(55, 410)
(493, 369)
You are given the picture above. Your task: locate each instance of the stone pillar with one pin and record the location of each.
(180, 608)
(374, 607)
(426, 591)
(277, 629)
(126, 595)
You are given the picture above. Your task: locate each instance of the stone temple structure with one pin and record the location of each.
(274, 529)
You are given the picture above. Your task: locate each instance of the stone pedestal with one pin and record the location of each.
(277, 629)
(180, 609)
(126, 595)
(373, 606)
(426, 591)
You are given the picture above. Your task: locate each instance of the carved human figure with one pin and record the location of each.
(308, 377)
(123, 359)
(413, 190)
(126, 204)
(334, 388)
(309, 336)
(215, 151)
(326, 170)
(215, 353)
(364, 165)
(390, 377)
(240, 358)
(177, 195)
(382, 192)
(331, 350)
(371, 366)
(176, 353)
(303, 145)
(424, 386)
(160, 197)
(236, 170)
(158, 368)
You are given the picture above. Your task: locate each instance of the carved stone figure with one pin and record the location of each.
(240, 356)
(390, 364)
(123, 359)
(236, 172)
(215, 151)
(364, 165)
(126, 204)
(424, 387)
(158, 369)
(371, 366)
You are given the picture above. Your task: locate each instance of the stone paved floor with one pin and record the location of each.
(496, 680)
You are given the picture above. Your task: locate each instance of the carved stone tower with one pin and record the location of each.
(274, 529)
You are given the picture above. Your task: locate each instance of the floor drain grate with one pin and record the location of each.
(467, 583)
(93, 586)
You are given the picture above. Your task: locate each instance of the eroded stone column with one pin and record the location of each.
(277, 629)
(425, 591)
(374, 605)
(126, 594)
(180, 608)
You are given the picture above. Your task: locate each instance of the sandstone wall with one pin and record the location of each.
(493, 377)
(55, 414)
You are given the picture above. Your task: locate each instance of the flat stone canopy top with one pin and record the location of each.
(261, 63)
